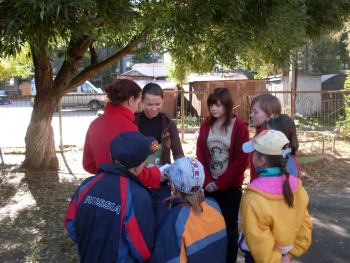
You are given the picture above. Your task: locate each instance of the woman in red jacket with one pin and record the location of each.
(124, 99)
(219, 149)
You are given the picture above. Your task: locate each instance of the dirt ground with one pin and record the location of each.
(33, 205)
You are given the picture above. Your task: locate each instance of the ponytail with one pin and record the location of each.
(194, 199)
(287, 190)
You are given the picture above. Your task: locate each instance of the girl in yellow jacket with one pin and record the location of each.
(275, 220)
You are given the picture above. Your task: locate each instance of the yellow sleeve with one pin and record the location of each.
(303, 238)
(256, 231)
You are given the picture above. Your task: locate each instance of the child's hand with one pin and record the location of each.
(211, 187)
(286, 259)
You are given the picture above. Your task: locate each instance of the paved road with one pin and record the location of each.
(14, 120)
(330, 210)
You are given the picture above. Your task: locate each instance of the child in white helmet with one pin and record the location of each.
(194, 228)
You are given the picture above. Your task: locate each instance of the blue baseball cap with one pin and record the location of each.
(130, 149)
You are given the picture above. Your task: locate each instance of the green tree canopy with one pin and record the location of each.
(199, 35)
(20, 65)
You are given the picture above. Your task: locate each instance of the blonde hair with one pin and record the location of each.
(194, 199)
(268, 103)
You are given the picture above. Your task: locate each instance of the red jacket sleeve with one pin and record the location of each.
(234, 174)
(88, 159)
(201, 153)
(150, 177)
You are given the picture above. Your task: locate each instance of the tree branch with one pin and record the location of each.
(93, 69)
(69, 68)
(93, 55)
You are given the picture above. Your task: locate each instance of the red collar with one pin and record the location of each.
(119, 110)
(259, 129)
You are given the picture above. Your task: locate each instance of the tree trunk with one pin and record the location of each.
(40, 143)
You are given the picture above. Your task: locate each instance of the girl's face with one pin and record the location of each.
(217, 110)
(152, 105)
(258, 160)
(258, 116)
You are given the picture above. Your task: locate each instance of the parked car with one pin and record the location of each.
(85, 95)
(3, 98)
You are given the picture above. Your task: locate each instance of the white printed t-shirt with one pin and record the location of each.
(219, 143)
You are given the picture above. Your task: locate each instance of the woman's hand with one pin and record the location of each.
(211, 187)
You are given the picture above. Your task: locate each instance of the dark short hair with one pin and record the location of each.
(268, 103)
(285, 124)
(122, 90)
(221, 96)
(152, 89)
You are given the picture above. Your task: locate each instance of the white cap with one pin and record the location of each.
(187, 175)
(269, 142)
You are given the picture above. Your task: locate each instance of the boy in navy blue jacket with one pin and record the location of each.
(111, 217)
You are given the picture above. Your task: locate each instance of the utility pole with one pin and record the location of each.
(293, 77)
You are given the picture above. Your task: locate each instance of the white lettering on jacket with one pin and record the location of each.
(105, 204)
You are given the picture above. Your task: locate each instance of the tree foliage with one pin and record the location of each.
(247, 34)
(345, 124)
(327, 54)
(20, 65)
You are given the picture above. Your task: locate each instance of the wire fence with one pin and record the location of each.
(320, 112)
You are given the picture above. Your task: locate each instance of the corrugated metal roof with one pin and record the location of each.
(327, 77)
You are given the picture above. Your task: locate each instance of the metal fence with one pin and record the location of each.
(315, 111)
(319, 111)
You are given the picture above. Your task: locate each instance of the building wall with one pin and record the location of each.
(242, 92)
(307, 103)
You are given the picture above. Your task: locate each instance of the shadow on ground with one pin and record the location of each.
(33, 206)
(330, 210)
(32, 214)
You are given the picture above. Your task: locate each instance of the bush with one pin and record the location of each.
(344, 125)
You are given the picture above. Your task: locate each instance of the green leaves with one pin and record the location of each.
(18, 66)
(199, 34)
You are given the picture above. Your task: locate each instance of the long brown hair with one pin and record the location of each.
(279, 161)
(268, 103)
(285, 124)
(221, 96)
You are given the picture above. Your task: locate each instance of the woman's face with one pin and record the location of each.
(217, 110)
(152, 105)
(257, 115)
